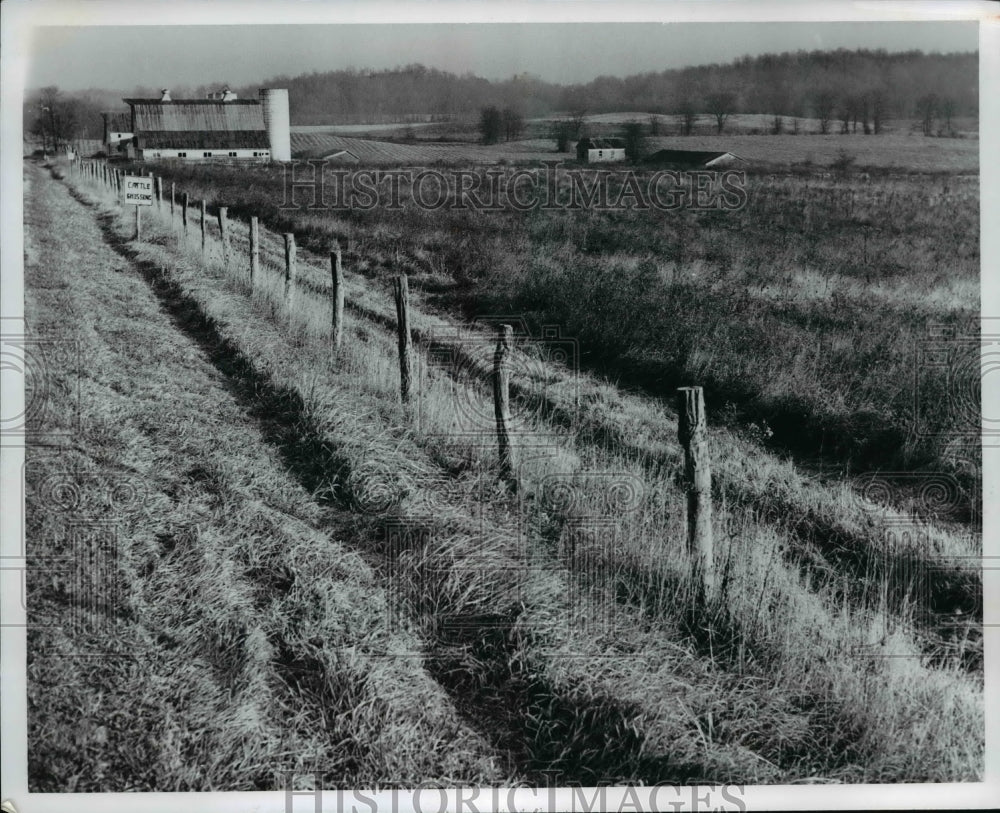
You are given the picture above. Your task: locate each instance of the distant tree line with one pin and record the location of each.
(846, 91)
(861, 87)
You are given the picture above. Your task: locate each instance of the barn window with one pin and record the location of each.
(182, 155)
(232, 155)
(600, 153)
(206, 155)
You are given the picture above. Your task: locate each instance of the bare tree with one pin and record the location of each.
(927, 111)
(490, 124)
(687, 115)
(721, 104)
(563, 134)
(513, 124)
(946, 107)
(824, 104)
(880, 107)
(845, 112)
(56, 118)
(864, 105)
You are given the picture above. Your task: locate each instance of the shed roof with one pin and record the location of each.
(118, 122)
(700, 158)
(341, 155)
(196, 114)
(202, 140)
(602, 143)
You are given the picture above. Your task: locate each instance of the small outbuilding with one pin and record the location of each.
(117, 133)
(691, 159)
(600, 150)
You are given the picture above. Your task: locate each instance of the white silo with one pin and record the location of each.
(275, 104)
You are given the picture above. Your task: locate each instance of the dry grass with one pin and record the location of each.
(774, 682)
(249, 636)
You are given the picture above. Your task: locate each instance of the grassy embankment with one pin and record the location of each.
(199, 622)
(744, 673)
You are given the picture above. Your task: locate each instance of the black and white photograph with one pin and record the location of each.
(567, 407)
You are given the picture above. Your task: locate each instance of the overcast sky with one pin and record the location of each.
(123, 57)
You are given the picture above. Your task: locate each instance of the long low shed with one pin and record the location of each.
(691, 159)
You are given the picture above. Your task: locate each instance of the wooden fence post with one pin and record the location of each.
(290, 273)
(401, 289)
(337, 289)
(159, 193)
(138, 223)
(184, 211)
(173, 195)
(203, 224)
(254, 249)
(692, 433)
(224, 232)
(501, 401)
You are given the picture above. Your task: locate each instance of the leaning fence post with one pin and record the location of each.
(203, 224)
(401, 289)
(185, 200)
(290, 273)
(159, 193)
(501, 400)
(337, 288)
(692, 433)
(254, 248)
(224, 232)
(173, 195)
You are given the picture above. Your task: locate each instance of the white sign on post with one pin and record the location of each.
(138, 191)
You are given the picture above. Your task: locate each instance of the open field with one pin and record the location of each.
(372, 152)
(838, 281)
(901, 153)
(820, 659)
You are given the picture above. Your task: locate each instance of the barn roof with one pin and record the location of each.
(196, 115)
(175, 102)
(699, 158)
(203, 140)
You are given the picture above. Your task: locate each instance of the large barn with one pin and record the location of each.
(221, 127)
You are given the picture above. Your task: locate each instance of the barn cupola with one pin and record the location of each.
(165, 95)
